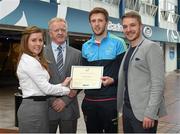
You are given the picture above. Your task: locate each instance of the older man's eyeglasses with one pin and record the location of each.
(59, 30)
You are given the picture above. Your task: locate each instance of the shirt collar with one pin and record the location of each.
(55, 46)
(93, 37)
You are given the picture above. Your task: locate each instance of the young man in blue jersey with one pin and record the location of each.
(103, 49)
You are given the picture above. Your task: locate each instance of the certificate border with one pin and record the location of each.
(100, 82)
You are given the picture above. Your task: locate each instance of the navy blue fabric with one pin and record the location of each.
(111, 68)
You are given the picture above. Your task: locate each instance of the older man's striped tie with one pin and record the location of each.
(60, 59)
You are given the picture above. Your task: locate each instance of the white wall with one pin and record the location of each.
(88, 5)
(164, 23)
(167, 25)
(148, 20)
(170, 64)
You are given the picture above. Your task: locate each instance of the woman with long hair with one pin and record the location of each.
(33, 78)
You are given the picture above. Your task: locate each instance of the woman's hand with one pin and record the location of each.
(66, 82)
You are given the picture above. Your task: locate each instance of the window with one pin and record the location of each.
(133, 4)
(111, 2)
(169, 12)
(149, 1)
(9, 52)
(149, 9)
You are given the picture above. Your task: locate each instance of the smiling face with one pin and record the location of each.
(58, 31)
(98, 24)
(35, 43)
(131, 29)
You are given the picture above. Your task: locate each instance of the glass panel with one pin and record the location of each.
(114, 2)
(9, 52)
(149, 1)
(133, 4)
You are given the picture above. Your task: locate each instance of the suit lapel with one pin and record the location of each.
(67, 57)
(51, 55)
(52, 59)
(136, 49)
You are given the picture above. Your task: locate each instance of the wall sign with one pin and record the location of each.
(171, 52)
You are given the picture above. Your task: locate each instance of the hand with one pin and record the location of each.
(66, 82)
(148, 123)
(72, 93)
(106, 80)
(58, 105)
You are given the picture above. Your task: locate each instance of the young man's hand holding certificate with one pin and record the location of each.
(86, 77)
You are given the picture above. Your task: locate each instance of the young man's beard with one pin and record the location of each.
(101, 33)
(136, 37)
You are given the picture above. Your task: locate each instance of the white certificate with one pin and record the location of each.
(86, 77)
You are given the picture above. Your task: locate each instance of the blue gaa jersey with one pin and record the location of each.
(109, 54)
(110, 47)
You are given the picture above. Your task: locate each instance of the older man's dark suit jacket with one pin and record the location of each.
(73, 57)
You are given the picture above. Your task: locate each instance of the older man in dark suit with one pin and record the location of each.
(63, 111)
